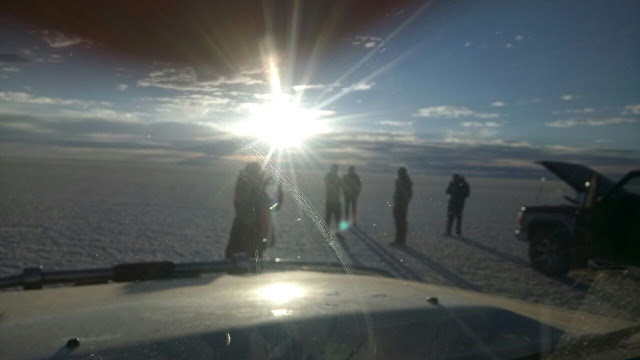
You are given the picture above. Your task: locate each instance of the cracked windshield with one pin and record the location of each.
(284, 161)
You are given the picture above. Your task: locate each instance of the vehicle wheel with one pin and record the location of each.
(549, 249)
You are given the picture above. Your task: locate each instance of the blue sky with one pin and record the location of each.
(484, 86)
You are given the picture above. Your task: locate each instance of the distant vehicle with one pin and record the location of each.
(599, 223)
(288, 310)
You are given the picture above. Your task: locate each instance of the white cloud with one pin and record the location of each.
(362, 86)
(563, 123)
(508, 46)
(467, 44)
(631, 110)
(56, 39)
(610, 121)
(498, 104)
(366, 41)
(568, 97)
(448, 111)
(299, 88)
(473, 139)
(519, 37)
(25, 126)
(174, 79)
(373, 136)
(102, 114)
(395, 123)
(25, 98)
(122, 87)
(67, 108)
(471, 124)
(193, 104)
(492, 124)
(39, 56)
(575, 111)
(480, 124)
(186, 79)
(267, 96)
(53, 58)
(589, 122)
(11, 69)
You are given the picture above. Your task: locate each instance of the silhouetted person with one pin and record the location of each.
(351, 186)
(252, 224)
(333, 185)
(458, 191)
(265, 206)
(401, 196)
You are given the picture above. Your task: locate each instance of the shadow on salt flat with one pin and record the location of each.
(563, 279)
(438, 268)
(386, 256)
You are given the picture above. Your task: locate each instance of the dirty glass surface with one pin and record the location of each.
(131, 141)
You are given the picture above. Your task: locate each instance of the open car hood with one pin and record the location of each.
(576, 175)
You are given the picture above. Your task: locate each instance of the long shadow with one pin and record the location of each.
(63, 353)
(386, 256)
(493, 251)
(576, 284)
(439, 269)
(347, 250)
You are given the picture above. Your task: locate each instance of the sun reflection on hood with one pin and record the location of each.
(280, 293)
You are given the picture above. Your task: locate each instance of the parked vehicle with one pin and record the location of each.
(599, 223)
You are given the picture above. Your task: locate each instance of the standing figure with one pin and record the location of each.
(401, 196)
(252, 224)
(333, 185)
(266, 204)
(352, 185)
(458, 191)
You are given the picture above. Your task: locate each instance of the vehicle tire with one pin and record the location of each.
(550, 249)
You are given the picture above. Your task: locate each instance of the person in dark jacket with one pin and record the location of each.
(401, 196)
(458, 190)
(333, 186)
(252, 228)
(266, 204)
(352, 185)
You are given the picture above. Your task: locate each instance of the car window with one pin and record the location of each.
(401, 136)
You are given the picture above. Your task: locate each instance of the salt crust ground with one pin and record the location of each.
(78, 214)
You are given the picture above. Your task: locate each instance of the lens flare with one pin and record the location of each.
(282, 122)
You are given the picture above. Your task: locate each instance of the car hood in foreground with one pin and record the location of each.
(396, 316)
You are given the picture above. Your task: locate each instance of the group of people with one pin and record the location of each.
(350, 185)
(253, 229)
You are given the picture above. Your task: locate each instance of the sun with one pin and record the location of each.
(282, 122)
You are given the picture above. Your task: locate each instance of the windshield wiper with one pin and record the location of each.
(35, 278)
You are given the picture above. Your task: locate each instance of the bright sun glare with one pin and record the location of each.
(280, 293)
(282, 122)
